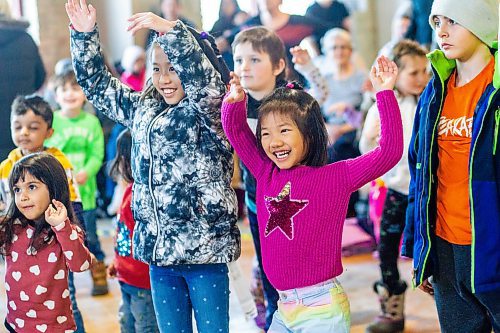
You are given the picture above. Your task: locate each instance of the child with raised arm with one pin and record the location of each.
(302, 201)
(453, 218)
(183, 203)
(41, 242)
(260, 60)
(412, 78)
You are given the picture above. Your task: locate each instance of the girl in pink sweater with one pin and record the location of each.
(302, 201)
(40, 241)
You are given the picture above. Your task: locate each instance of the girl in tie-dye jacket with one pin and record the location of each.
(183, 204)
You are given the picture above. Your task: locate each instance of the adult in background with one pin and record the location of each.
(21, 69)
(419, 29)
(292, 29)
(170, 10)
(230, 17)
(334, 13)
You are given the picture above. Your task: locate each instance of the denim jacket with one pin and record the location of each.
(183, 204)
(484, 181)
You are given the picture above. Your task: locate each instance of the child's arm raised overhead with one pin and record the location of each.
(199, 78)
(105, 92)
(234, 122)
(77, 256)
(304, 65)
(390, 149)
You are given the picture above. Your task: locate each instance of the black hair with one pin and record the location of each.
(209, 48)
(120, 166)
(304, 110)
(236, 8)
(48, 170)
(22, 104)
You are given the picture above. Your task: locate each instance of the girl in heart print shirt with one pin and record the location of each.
(40, 240)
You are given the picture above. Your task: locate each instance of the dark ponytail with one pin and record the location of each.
(209, 48)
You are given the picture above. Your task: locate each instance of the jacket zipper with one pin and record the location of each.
(150, 181)
(497, 125)
(431, 176)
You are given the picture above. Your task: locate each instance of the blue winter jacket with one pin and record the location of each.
(484, 181)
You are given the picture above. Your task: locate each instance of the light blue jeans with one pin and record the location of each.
(323, 307)
(180, 289)
(136, 313)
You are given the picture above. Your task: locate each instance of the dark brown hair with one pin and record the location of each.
(120, 166)
(48, 170)
(66, 77)
(22, 104)
(265, 41)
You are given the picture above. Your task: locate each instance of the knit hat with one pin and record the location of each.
(478, 16)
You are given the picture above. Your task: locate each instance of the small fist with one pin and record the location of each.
(300, 56)
(56, 213)
(111, 270)
(81, 177)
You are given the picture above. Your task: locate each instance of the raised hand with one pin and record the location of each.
(300, 55)
(236, 94)
(383, 74)
(56, 213)
(149, 20)
(82, 17)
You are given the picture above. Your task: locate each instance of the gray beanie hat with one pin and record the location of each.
(478, 16)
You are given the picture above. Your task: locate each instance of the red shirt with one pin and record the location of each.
(129, 270)
(37, 283)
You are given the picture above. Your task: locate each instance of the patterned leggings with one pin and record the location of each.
(391, 229)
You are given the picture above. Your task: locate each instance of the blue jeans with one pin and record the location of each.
(90, 218)
(270, 293)
(451, 280)
(180, 289)
(136, 313)
(76, 312)
(323, 307)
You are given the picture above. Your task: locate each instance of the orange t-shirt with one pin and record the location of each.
(454, 139)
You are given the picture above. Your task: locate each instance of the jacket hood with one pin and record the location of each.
(11, 30)
(444, 66)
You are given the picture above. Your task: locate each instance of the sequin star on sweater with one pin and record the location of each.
(301, 211)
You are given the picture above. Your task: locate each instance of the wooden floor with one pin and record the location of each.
(360, 272)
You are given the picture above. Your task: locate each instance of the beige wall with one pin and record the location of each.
(371, 26)
(53, 33)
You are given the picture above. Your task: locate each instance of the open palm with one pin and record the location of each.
(383, 74)
(82, 17)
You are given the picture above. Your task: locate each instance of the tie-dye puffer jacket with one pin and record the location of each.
(184, 207)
